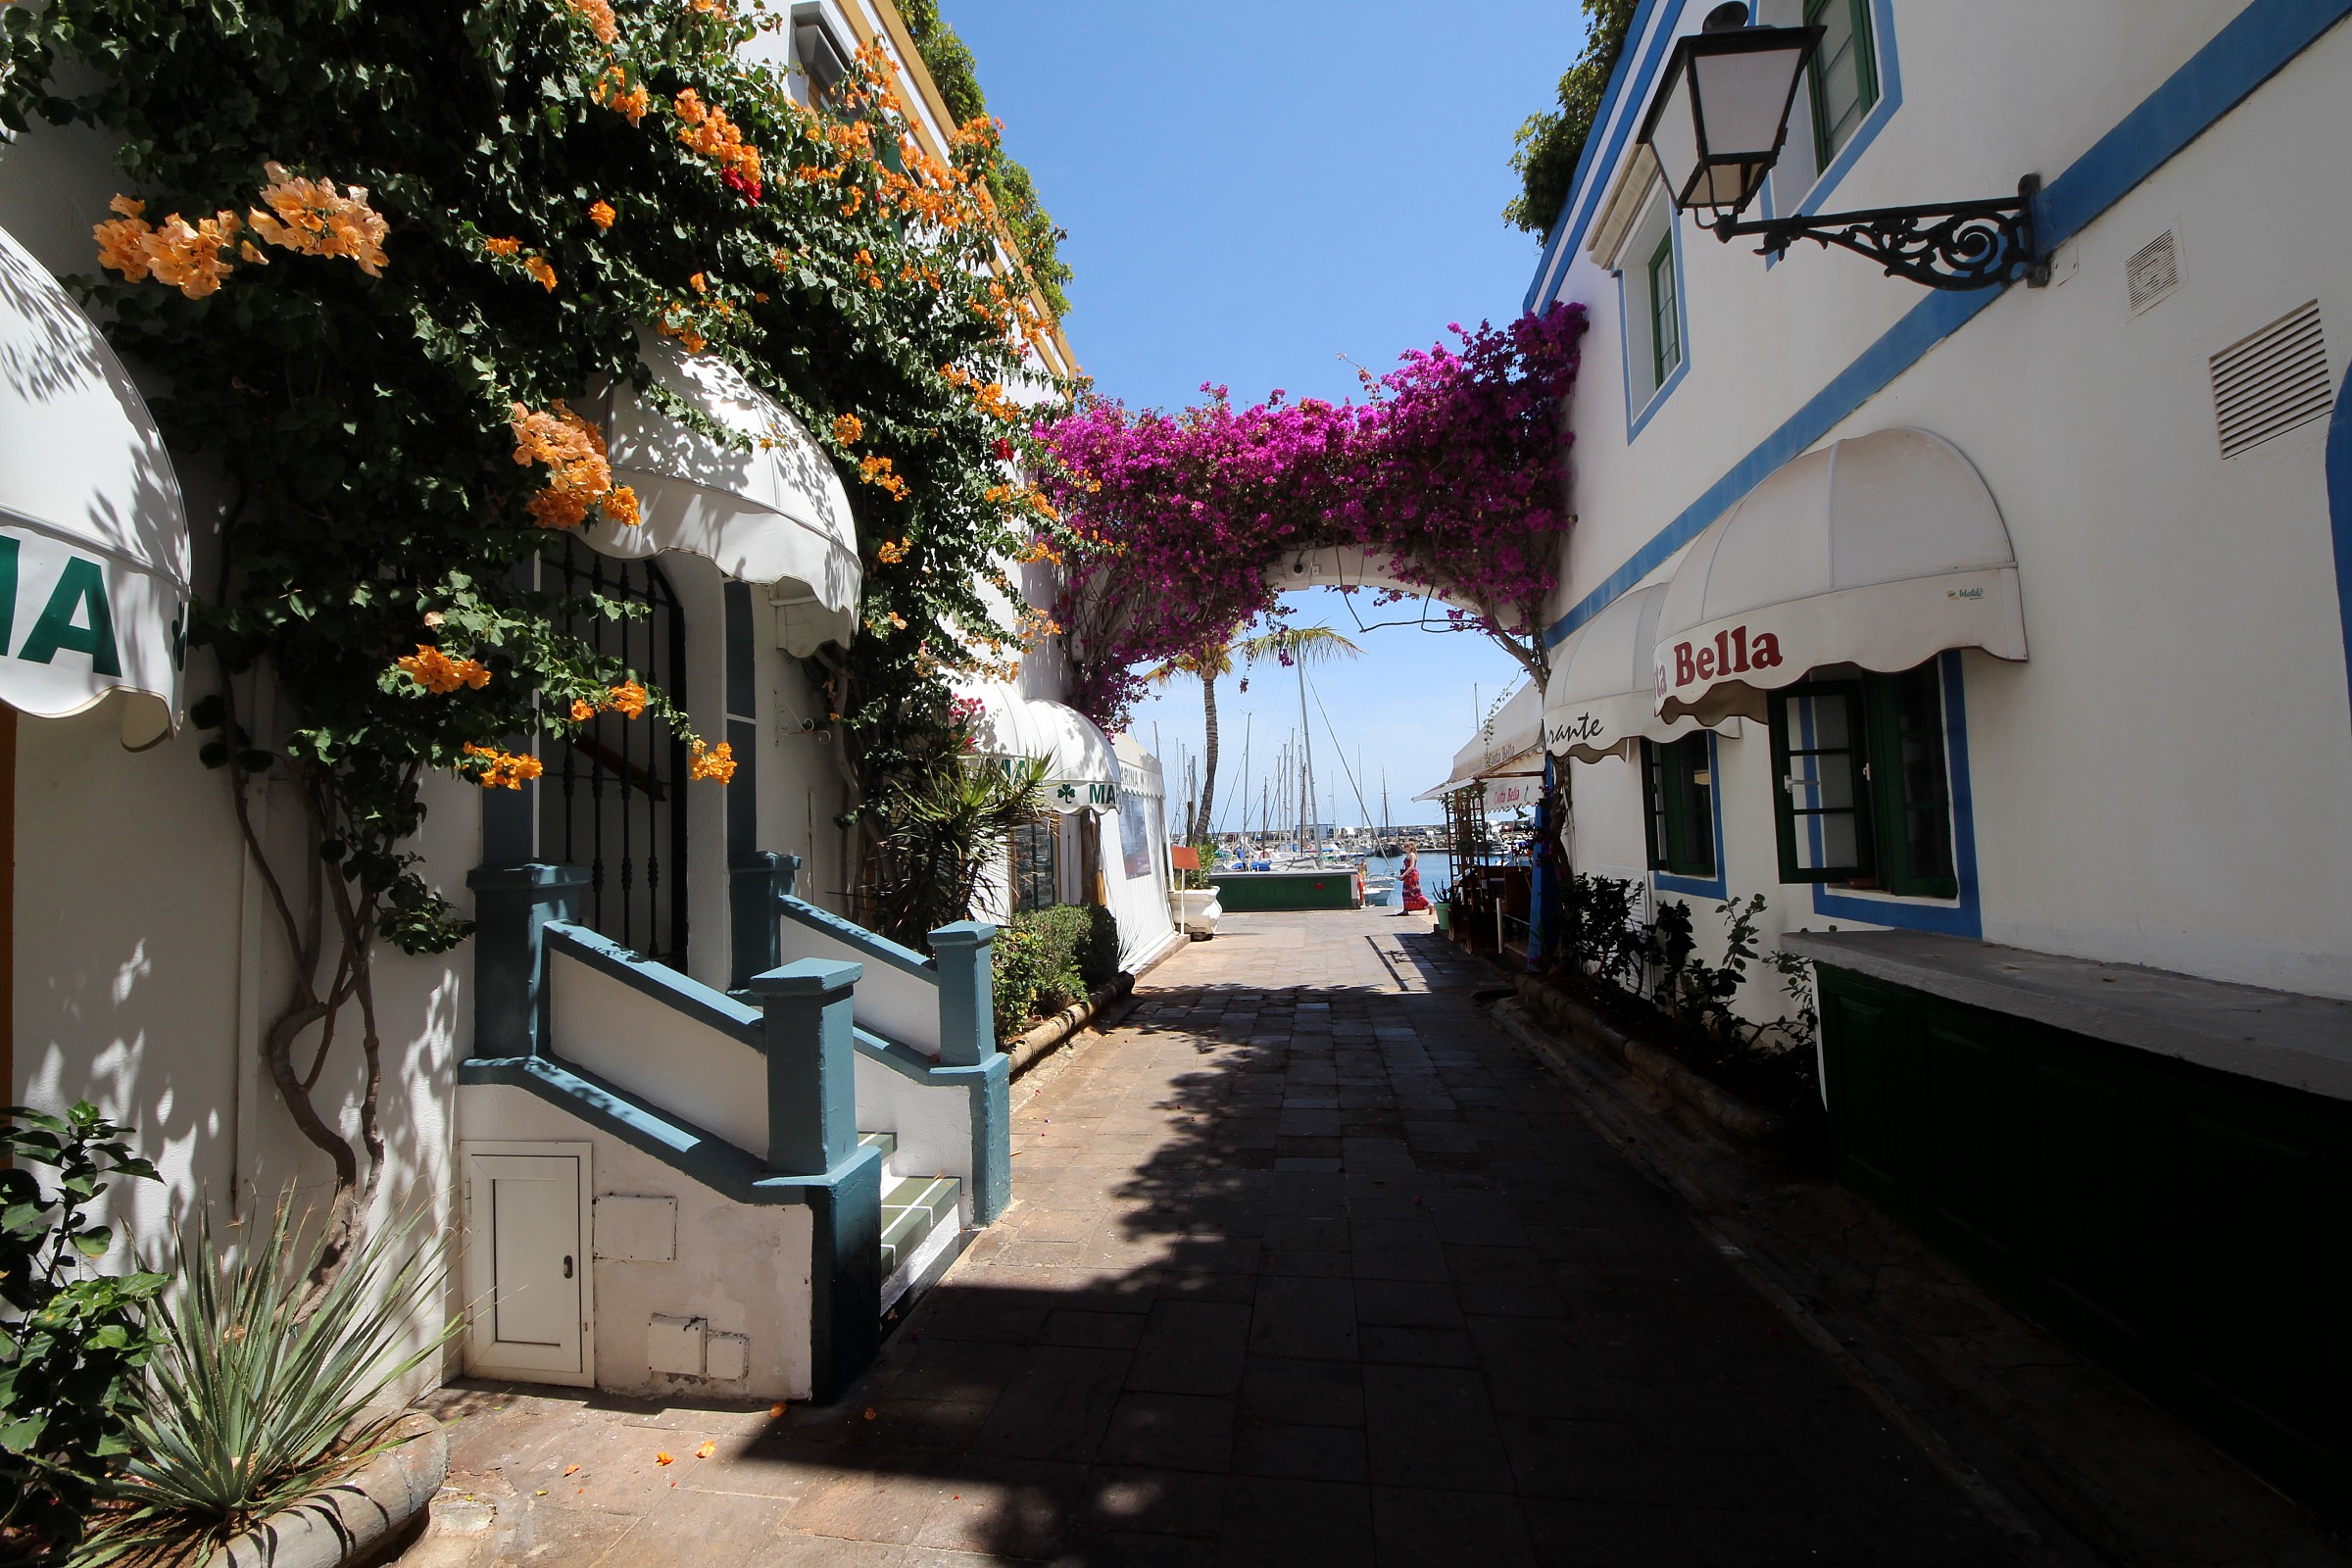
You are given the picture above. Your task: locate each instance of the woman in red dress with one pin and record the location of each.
(1408, 883)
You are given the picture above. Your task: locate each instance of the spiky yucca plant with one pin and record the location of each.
(251, 1399)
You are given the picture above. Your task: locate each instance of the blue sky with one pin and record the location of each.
(1252, 191)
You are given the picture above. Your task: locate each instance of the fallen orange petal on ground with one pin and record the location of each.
(709, 1446)
(663, 1458)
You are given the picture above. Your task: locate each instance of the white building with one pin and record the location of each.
(671, 1147)
(2004, 634)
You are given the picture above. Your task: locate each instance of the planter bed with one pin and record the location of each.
(1766, 1103)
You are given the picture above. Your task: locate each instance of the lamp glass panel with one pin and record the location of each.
(1674, 138)
(1744, 97)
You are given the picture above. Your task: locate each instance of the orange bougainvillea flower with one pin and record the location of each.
(602, 215)
(891, 552)
(437, 673)
(580, 476)
(598, 17)
(582, 710)
(493, 769)
(876, 472)
(502, 247)
(315, 219)
(627, 700)
(541, 274)
(614, 92)
(175, 252)
(846, 428)
(715, 762)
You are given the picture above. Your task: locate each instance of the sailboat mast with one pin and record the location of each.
(1307, 754)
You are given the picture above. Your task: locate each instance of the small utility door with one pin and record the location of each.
(526, 1262)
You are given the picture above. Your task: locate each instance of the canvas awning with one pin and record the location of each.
(1082, 769)
(93, 536)
(1882, 550)
(1509, 745)
(1602, 695)
(774, 515)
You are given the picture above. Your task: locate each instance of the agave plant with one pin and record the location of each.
(256, 1393)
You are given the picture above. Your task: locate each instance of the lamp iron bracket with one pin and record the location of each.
(1963, 245)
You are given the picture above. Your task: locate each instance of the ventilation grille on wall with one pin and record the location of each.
(2273, 381)
(2154, 271)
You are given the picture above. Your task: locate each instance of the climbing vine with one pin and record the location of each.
(1449, 477)
(377, 254)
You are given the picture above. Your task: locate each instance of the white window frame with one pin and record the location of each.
(1645, 389)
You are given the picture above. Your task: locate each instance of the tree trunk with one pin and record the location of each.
(1208, 761)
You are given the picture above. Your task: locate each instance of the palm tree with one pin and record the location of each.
(1291, 645)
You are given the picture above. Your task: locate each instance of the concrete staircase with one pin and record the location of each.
(922, 1223)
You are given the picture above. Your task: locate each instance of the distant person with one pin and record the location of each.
(1408, 883)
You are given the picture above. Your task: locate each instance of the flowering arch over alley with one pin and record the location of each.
(1448, 479)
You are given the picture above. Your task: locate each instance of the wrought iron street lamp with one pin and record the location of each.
(1716, 128)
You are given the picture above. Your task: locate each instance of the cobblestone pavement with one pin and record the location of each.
(1306, 1264)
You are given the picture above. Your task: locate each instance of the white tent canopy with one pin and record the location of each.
(1881, 550)
(93, 537)
(1602, 695)
(1509, 745)
(1082, 769)
(775, 514)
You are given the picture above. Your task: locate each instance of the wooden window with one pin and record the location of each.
(1665, 325)
(1036, 868)
(1910, 783)
(1680, 780)
(1864, 787)
(1843, 78)
(1817, 760)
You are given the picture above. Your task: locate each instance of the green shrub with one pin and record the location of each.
(72, 1342)
(1044, 960)
(1017, 973)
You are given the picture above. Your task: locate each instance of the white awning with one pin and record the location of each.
(775, 514)
(1510, 744)
(1082, 769)
(1602, 695)
(93, 537)
(1138, 769)
(1882, 550)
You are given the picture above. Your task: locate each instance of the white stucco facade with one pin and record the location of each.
(2166, 778)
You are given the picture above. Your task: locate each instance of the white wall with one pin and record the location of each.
(743, 1269)
(2168, 780)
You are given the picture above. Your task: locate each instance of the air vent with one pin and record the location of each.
(2154, 271)
(2273, 381)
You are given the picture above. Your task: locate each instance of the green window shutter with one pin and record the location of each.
(1910, 783)
(1820, 798)
(1680, 781)
(1843, 78)
(1665, 320)
(1653, 804)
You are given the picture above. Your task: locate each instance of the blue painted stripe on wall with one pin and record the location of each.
(2262, 40)
(1576, 211)
(2339, 509)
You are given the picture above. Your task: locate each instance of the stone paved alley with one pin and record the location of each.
(1308, 1263)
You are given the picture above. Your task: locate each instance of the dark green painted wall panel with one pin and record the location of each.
(2182, 1225)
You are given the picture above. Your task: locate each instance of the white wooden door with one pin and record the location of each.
(528, 1261)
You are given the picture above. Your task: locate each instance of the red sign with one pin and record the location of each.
(1730, 654)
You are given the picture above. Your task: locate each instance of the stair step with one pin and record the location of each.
(888, 1142)
(912, 1207)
